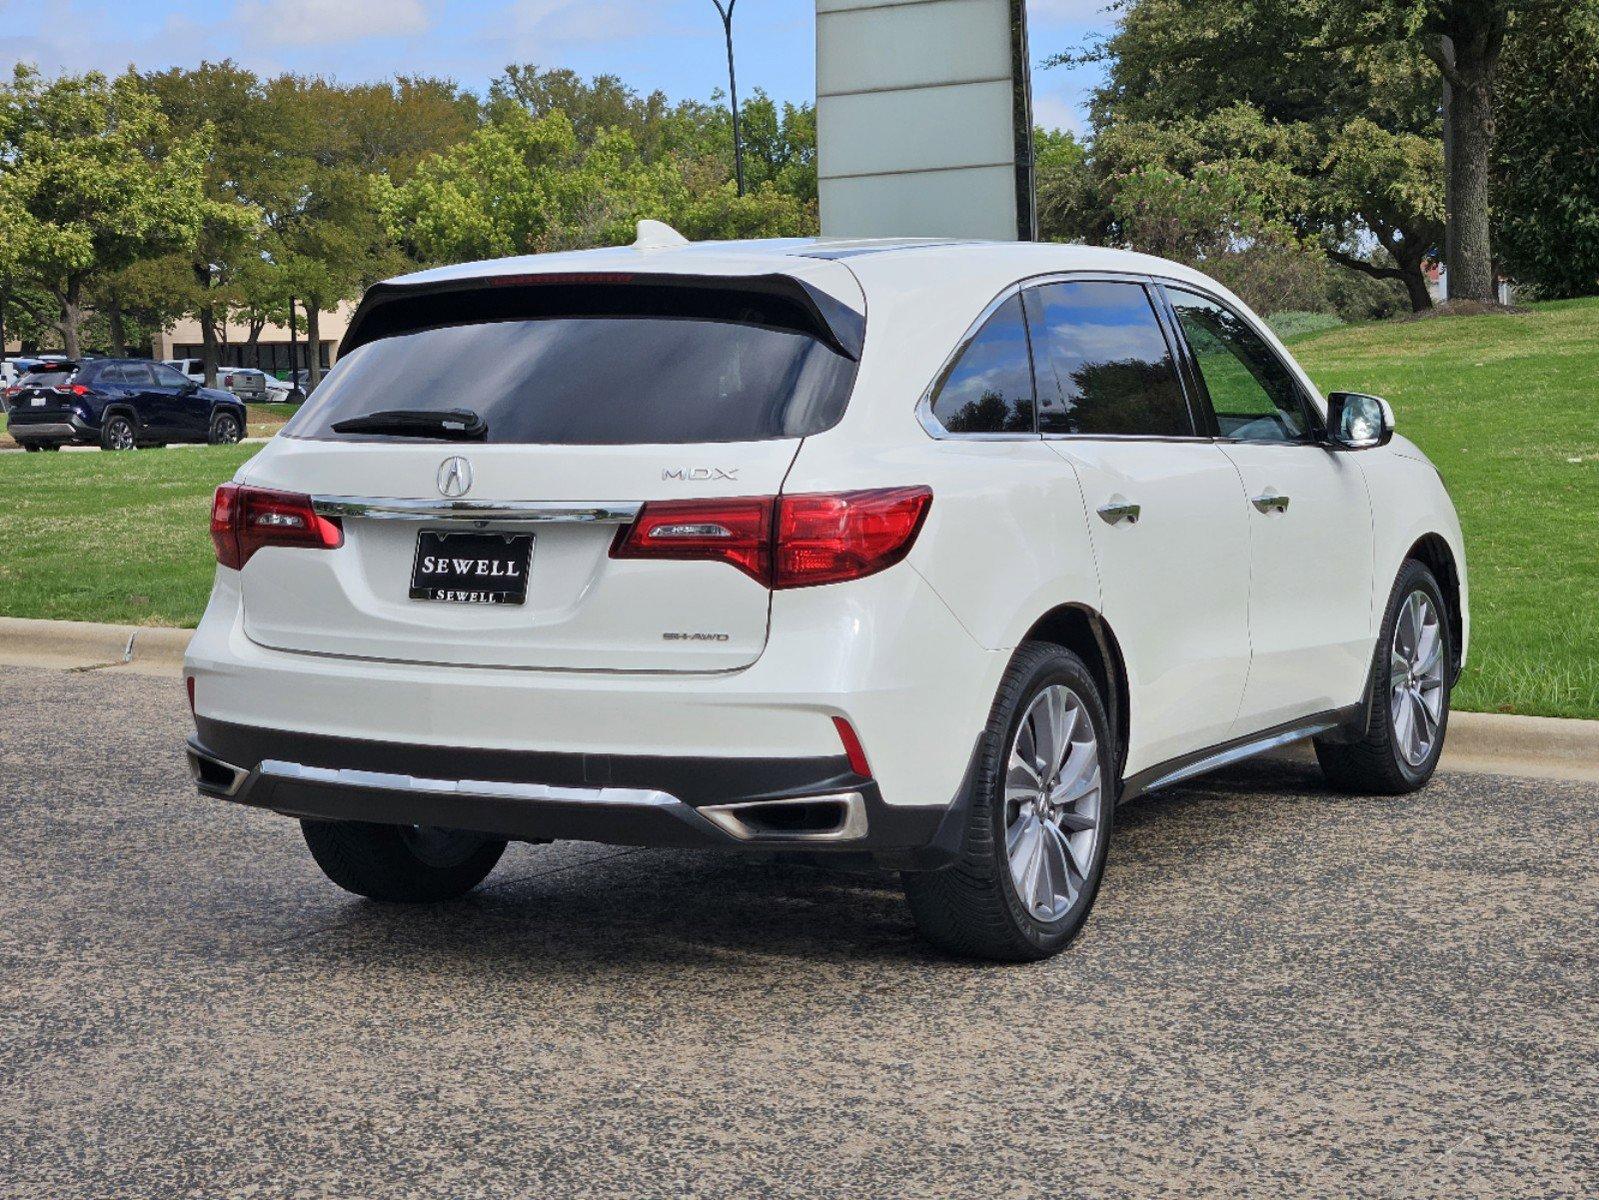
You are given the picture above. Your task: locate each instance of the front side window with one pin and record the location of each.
(1254, 396)
(165, 376)
(1103, 363)
(989, 387)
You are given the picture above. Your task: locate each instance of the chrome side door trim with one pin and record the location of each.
(477, 511)
(1233, 754)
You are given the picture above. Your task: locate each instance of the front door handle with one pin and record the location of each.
(1117, 511)
(1270, 501)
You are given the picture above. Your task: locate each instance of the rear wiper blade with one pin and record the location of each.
(455, 424)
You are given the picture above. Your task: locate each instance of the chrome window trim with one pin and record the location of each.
(924, 406)
(477, 511)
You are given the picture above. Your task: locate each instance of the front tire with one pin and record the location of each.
(1038, 827)
(1408, 702)
(225, 429)
(406, 864)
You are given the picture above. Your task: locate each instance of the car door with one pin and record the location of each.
(185, 410)
(1309, 518)
(1169, 539)
(150, 404)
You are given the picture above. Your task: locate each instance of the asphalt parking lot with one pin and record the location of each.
(1282, 992)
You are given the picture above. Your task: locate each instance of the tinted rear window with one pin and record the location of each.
(989, 387)
(48, 379)
(613, 379)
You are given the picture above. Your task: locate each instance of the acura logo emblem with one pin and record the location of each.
(455, 477)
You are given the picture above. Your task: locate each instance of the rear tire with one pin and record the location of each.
(403, 864)
(1032, 854)
(117, 434)
(1408, 700)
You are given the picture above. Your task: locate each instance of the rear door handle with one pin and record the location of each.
(1117, 511)
(1270, 501)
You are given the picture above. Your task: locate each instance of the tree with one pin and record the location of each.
(93, 182)
(1546, 162)
(1344, 139)
(245, 160)
(1464, 39)
(524, 185)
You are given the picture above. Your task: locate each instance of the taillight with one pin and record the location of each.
(244, 519)
(72, 389)
(784, 541)
(738, 532)
(832, 537)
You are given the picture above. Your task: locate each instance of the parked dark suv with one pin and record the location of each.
(119, 403)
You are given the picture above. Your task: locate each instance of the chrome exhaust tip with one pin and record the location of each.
(840, 817)
(214, 777)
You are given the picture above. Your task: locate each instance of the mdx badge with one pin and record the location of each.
(455, 477)
(699, 474)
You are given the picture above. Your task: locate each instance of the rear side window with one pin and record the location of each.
(1102, 361)
(679, 370)
(1252, 392)
(989, 387)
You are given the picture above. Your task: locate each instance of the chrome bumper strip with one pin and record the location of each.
(517, 511)
(498, 789)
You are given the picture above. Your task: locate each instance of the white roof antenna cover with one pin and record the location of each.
(657, 235)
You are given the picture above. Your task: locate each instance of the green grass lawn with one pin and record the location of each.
(1507, 406)
(110, 537)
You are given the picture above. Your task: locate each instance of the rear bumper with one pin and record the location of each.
(72, 429)
(882, 653)
(769, 805)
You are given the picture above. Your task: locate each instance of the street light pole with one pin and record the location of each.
(726, 12)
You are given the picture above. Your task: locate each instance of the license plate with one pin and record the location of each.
(37, 402)
(471, 568)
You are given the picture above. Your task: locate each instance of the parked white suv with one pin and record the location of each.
(921, 553)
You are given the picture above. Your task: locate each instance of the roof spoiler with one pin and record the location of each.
(390, 309)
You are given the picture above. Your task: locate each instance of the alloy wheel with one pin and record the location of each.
(1053, 799)
(1416, 678)
(227, 431)
(121, 434)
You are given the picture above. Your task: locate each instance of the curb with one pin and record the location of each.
(86, 646)
(1484, 743)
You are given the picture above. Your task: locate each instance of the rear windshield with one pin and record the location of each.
(48, 379)
(733, 375)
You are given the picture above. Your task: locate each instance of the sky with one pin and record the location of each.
(673, 45)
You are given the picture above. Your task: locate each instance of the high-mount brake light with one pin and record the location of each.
(784, 541)
(245, 519)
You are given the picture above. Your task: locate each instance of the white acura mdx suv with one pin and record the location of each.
(921, 554)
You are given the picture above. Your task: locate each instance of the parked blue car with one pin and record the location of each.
(119, 404)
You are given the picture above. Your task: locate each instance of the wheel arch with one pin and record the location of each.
(1088, 635)
(1432, 551)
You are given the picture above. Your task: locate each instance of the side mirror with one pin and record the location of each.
(1358, 422)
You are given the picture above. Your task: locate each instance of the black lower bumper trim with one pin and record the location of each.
(898, 834)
